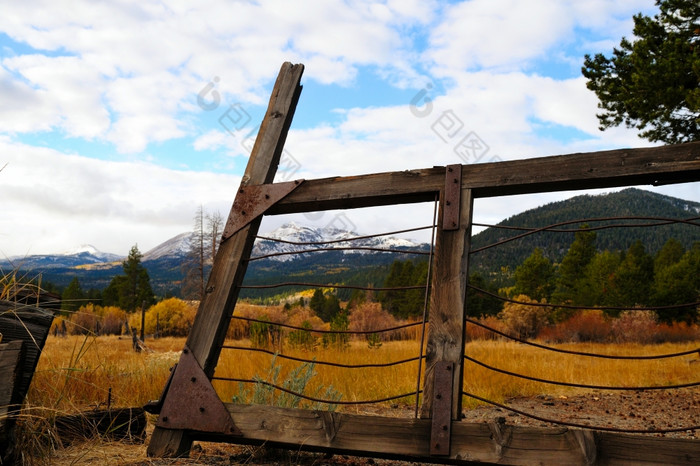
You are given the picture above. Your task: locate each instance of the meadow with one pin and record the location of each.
(77, 373)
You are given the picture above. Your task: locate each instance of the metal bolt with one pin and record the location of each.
(448, 203)
(242, 212)
(165, 418)
(267, 196)
(438, 396)
(201, 409)
(444, 427)
(185, 351)
(193, 379)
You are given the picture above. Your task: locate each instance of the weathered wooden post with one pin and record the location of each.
(209, 329)
(442, 392)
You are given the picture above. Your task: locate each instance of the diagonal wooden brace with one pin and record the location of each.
(252, 201)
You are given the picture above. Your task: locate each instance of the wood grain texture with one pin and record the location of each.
(21, 322)
(604, 169)
(447, 304)
(12, 356)
(211, 322)
(488, 443)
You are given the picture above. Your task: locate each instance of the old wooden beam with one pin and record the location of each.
(12, 357)
(603, 169)
(496, 443)
(447, 303)
(21, 322)
(213, 317)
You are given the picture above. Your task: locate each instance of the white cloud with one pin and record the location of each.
(52, 201)
(129, 74)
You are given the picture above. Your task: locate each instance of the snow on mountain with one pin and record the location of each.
(175, 247)
(91, 253)
(291, 233)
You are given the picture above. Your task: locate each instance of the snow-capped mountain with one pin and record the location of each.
(85, 254)
(175, 247)
(91, 252)
(285, 239)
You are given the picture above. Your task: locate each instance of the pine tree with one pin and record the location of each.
(130, 290)
(73, 296)
(678, 283)
(572, 269)
(534, 277)
(633, 278)
(652, 83)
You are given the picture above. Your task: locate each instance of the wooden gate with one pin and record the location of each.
(191, 410)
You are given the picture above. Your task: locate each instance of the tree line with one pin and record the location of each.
(587, 277)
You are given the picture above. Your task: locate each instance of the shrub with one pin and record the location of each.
(584, 326)
(173, 316)
(523, 320)
(370, 316)
(475, 332)
(635, 326)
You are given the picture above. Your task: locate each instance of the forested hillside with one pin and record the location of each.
(585, 209)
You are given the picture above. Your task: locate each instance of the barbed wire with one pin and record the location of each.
(356, 248)
(589, 308)
(322, 363)
(580, 426)
(336, 332)
(689, 221)
(352, 238)
(327, 285)
(314, 399)
(578, 385)
(594, 228)
(581, 353)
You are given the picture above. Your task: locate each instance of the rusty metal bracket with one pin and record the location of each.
(453, 195)
(191, 402)
(440, 433)
(252, 201)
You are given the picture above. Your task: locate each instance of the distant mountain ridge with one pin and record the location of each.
(310, 238)
(164, 262)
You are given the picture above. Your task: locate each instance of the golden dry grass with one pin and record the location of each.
(76, 372)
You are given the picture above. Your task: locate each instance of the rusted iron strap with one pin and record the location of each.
(191, 402)
(453, 194)
(253, 201)
(441, 430)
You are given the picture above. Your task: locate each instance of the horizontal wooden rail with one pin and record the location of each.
(606, 169)
(500, 443)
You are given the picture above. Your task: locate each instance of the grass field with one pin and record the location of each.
(77, 372)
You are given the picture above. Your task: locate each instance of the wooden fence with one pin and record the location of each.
(191, 410)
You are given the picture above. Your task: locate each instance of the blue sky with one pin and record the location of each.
(117, 120)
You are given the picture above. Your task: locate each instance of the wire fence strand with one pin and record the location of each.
(578, 425)
(578, 385)
(314, 399)
(323, 363)
(582, 353)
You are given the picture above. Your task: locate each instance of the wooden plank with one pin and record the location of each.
(402, 438)
(30, 325)
(604, 169)
(115, 424)
(214, 313)
(12, 357)
(447, 304)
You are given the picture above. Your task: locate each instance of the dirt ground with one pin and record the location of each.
(648, 410)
